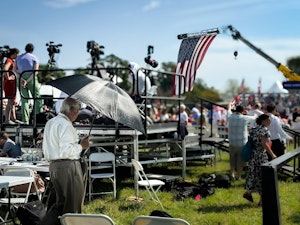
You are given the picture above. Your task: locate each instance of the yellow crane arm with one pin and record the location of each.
(291, 76)
(288, 73)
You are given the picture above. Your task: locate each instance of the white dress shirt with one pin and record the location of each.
(60, 139)
(276, 129)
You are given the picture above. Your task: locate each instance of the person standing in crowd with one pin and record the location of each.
(238, 137)
(183, 116)
(195, 116)
(62, 150)
(29, 81)
(10, 87)
(9, 147)
(278, 135)
(140, 83)
(255, 111)
(259, 156)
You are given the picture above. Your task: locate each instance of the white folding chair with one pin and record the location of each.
(155, 220)
(99, 161)
(149, 184)
(81, 219)
(17, 198)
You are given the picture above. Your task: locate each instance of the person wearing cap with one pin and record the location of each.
(238, 136)
(195, 116)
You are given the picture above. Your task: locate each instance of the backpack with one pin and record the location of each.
(222, 181)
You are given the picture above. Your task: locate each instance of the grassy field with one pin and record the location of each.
(224, 207)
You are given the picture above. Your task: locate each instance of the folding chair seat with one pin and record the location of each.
(80, 219)
(155, 220)
(152, 185)
(18, 198)
(97, 162)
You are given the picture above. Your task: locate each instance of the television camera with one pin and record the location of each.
(95, 49)
(148, 59)
(52, 50)
(4, 52)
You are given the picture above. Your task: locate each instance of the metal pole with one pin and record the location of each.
(270, 196)
(199, 34)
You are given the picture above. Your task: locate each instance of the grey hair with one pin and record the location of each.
(68, 104)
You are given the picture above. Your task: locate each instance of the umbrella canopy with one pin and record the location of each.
(103, 96)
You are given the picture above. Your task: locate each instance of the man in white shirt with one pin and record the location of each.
(62, 150)
(278, 135)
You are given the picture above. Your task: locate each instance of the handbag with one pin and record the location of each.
(247, 150)
(31, 213)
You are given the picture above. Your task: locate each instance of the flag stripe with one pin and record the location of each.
(199, 54)
(190, 57)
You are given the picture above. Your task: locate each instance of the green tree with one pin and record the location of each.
(47, 74)
(200, 90)
(118, 67)
(233, 89)
(166, 81)
(294, 64)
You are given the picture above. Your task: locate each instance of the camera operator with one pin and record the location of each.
(140, 83)
(95, 51)
(52, 50)
(10, 86)
(29, 81)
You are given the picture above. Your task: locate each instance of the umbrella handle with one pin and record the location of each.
(91, 126)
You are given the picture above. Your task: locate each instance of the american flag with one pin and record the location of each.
(242, 87)
(190, 56)
(259, 86)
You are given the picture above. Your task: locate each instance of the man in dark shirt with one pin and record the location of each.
(9, 147)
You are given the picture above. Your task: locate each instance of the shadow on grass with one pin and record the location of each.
(295, 218)
(225, 208)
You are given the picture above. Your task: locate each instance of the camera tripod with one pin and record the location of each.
(51, 62)
(95, 66)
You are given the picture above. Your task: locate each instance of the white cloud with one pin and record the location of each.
(152, 5)
(65, 3)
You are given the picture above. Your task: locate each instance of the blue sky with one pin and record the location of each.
(127, 27)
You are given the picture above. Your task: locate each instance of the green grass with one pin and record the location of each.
(224, 207)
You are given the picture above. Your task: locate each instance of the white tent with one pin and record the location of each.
(277, 88)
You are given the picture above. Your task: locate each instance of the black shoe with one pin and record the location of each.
(248, 197)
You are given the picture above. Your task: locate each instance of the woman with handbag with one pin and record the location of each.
(261, 140)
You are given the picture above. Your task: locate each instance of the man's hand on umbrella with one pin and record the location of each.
(85, 142)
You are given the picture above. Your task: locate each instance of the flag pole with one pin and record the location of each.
(198, 34)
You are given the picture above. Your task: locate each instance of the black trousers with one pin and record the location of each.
(278, 148)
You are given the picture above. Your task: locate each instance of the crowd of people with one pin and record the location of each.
(265, 127)
(262, 121)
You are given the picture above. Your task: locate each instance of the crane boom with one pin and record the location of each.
(291, 76)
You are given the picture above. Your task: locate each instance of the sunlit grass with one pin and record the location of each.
(224, 207)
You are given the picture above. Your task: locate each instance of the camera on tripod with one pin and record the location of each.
(151, 62)
(4, 52)
(94, 49)
(53, 49)
(148, 59)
